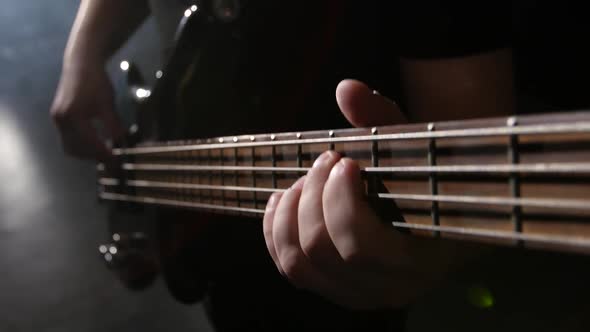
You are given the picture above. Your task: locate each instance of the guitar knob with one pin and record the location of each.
(130, 259)
(111, 255)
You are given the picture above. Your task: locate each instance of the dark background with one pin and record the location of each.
(51, 278)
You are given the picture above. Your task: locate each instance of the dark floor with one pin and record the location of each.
(50, 223)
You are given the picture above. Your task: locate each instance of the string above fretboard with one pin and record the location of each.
(550, 203)
(536, 168)
(576, 242)
(522, 180)
(250, 141)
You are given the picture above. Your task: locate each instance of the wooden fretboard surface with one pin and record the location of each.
(515, 181)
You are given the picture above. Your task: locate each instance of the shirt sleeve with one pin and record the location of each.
(446, 28)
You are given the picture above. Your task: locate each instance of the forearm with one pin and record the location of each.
(475, 86)
(101, 27)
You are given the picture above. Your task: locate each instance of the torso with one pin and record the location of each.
(252, 103)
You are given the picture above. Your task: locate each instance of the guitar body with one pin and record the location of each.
(225, 76)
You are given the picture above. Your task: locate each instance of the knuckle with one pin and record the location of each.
(312, 242)
(353, 255)
(61, 115)
(293, 266)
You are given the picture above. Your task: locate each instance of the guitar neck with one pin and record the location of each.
(512, 181)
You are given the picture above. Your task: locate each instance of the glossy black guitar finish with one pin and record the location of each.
(145, 240)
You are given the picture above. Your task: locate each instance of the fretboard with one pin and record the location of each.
(518, 181)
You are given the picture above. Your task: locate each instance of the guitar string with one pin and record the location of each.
(536, 168)
(570, 241)
(479, 132)
(576, 127)
(549, 203)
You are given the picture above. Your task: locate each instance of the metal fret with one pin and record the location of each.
(514, 179)
(236, 174)
(331, 135)
(273, 161)
(187, 177)
(374, 148)
(199, 176)
(373, 180)
(210, 177)
(173, 176)
(299, 153)
(254, 197)
(222, 174)
(433, 181)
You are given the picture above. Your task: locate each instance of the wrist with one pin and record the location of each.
(78, 54)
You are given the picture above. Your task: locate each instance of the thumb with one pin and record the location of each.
(364, 108)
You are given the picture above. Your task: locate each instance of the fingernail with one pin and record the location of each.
(322, 158)
(338, 168)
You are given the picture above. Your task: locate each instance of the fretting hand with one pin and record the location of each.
(324, 237)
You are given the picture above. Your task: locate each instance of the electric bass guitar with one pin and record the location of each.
(520, 181)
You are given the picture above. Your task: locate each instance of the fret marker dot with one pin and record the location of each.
(235, 139)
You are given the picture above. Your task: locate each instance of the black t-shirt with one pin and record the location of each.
(552, 53)
(548, 41)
